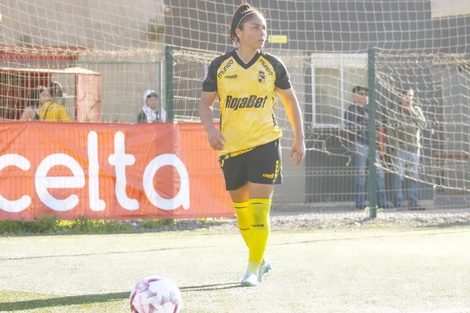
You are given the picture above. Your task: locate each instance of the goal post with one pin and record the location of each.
(372, 178)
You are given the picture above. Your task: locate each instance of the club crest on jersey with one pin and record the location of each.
(261, 77)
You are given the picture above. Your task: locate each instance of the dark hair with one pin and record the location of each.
(358, 88)
(152, 94)
(55, 89)
(34, 96)
(240, 17)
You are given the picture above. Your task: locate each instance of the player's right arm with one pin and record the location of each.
(215, 137)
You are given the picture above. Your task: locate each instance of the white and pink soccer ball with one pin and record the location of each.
(155, 294)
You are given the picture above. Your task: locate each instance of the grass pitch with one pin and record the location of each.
(334, 270)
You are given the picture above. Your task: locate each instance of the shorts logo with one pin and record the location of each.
(273, 175)
(261, 77)
(276, 171)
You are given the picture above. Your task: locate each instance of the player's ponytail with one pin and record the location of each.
(241, 15)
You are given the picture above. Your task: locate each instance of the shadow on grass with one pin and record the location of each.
(63, 301)
(96, 298)
(211, 287)
(102, 253)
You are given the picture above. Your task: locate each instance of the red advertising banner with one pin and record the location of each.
(109, 171)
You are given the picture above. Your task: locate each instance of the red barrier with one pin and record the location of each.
(109, 171)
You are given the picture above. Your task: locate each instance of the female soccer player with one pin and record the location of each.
(246, 81)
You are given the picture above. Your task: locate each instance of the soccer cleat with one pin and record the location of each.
(265, 267)
(249, 280)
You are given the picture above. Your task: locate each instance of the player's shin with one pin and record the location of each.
(259, 231)
(243, 220)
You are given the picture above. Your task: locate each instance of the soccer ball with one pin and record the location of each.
(155, 294)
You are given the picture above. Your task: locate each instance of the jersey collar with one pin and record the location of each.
(243, 64)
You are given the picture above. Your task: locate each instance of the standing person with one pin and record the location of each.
(52, 110)
(37, 99)
(404, 132)
(151, 110)
(246, 81)
(357, 119)
(55, 91)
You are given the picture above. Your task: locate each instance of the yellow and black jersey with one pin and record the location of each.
(247, 98)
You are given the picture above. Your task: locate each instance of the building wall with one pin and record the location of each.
(97, 25)
(326, 26)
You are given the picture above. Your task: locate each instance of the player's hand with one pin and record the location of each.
(298, 152)
(216, 139)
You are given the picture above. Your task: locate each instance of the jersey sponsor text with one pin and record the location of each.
(252, 101)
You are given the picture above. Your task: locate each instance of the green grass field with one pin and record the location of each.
(369, 269)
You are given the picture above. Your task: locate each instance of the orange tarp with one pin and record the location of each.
(109, 171)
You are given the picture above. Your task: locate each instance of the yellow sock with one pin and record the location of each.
(243, 220)
(259, 229)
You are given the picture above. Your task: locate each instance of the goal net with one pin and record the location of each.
(419, 45)
(119, 49)
(439, 86)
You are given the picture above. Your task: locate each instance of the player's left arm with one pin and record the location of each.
(294, 115)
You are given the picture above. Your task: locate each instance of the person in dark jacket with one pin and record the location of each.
(356, 122)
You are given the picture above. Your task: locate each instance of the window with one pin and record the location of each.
(333, 77)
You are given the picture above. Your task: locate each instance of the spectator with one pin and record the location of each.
(52, 110)
(55, 91)
(151, 110)
(404, 131)
(356, 120)
(37, 99)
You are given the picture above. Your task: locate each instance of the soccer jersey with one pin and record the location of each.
(52, 111)
(247, 98)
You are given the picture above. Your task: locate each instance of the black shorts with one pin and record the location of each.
(261, 165)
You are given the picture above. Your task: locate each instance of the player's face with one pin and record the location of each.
(254, 32)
